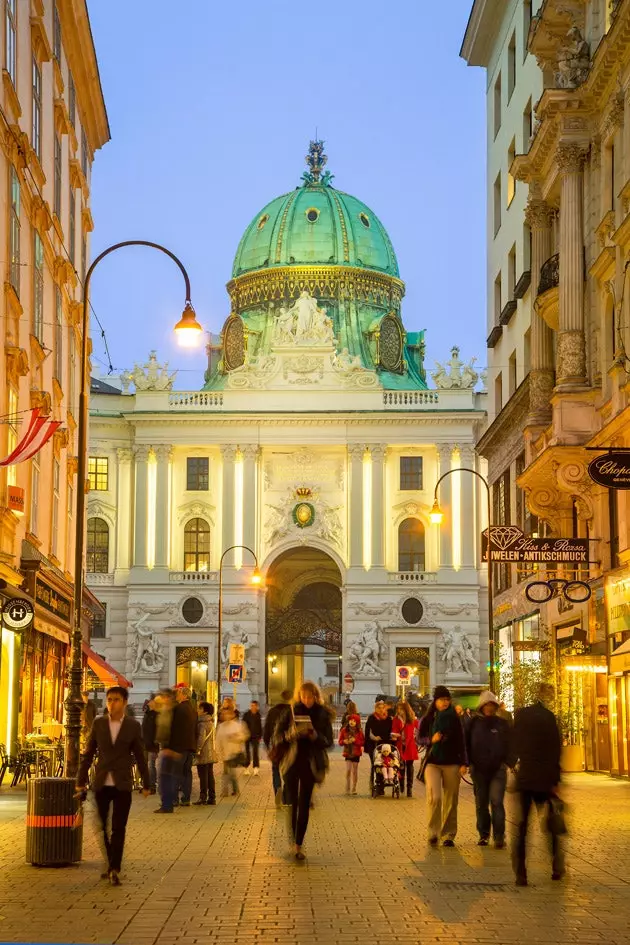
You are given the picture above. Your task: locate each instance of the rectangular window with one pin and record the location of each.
(72, 236)
(511, 272)
(98, 473)
(497, 299)
(197, 474)
(57, 179)
(501, 516)
(84, 154)
(611, 174)
(10, 26)
(99, 625)
(83, 257)
(527, 22)
(528, 126)
(37, 110)
(54, 538)
(58, 336)
(14, 232)
(527, 348)
(498, 393)
(497, 105)
(12, 433)
(72, 100)
(56, 34)
(511, 66)
(410, 473)
(33, 526)
(38, 287)
(512, 374)
(527, 247)
(511, 181)
(613, 528)
(72, 369)
(69, 527)
(497, 203)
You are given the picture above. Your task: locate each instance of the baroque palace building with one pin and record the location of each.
(316, 444)
(53, 119)
(574, 172)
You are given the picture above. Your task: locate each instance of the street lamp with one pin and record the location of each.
(436, 516)
(256, 579)
(186, 328)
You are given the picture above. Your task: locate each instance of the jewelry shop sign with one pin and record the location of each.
(611, 470)
(510, 544)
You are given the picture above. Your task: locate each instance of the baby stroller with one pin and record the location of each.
(386, 771)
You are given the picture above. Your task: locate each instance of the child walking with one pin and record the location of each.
(230, 740)
(352, 739)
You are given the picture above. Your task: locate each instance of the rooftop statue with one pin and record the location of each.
(454, 374)
(149, 376)
(303, 323)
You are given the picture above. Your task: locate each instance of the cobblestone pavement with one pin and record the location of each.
(223, 875)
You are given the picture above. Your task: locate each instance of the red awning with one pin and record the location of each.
(106, 673)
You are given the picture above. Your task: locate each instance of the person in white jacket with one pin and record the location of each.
(230, 740)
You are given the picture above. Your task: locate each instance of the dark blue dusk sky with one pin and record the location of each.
(211, 107)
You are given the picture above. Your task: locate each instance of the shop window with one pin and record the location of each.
(410, 473)
(197, 545)
(98, 473)
(411, 553)
(97, 558)
(197, 474)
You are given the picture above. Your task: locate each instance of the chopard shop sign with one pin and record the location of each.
(611, 470)
(510, 544)
(52, 601)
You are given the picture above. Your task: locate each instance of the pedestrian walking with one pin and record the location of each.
(116, 741)
(352, 740)
(253, 720)
(177, 735)
(536, 744)
(308, 733)
(149, 738)
(404, 726)
(273, 723)
(489, 756)
(378, 730)
(206, 754)
(230, 744)
(441, 731)
(350, 709)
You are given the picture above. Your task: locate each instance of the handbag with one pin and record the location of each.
(423, 764)
(556, 823)
(196, 759)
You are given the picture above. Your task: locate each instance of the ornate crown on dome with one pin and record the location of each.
(317, 160)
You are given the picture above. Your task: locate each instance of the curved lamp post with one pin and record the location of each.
(256, 580)
(436, 515)
(188, 331)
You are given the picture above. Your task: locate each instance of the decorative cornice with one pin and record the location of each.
(571, 158)
(539, 215)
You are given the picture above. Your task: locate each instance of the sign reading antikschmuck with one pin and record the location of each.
(510, 544)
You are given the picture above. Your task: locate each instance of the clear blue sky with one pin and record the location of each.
(212, 105)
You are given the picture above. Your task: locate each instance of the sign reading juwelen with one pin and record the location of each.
(618, 619)
(611, 470)
(510, 544)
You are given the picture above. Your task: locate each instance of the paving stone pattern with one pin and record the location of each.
(224, 875)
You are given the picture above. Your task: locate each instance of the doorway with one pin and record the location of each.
(303, 631)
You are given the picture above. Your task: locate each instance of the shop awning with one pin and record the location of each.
(106, 673)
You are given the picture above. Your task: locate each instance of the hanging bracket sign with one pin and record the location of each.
(611, 470)
(511, 545)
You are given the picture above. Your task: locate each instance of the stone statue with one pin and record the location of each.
(149, 655)
(574, 61)
(454, 374)
(367, 650)
(233, 634)
(457, 652)
(304, 322)
(149, 376)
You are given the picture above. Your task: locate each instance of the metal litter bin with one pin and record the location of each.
(54, 837)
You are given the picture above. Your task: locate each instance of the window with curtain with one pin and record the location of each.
(411, 553)
(14, 232)
(97, 559)
(197, 545)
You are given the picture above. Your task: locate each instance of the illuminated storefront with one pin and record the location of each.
(618, 627)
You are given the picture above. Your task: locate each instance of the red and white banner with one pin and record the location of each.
(38, 432)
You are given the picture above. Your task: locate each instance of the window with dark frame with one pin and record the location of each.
(99, 625)
(36, 136)
(57, 178)
(38, 287)
(411, 550)
(197, 474)
(14, 232)
(56, 34)
(98, 473)
(97, 554)
(58, 336)
(501, 516)
(10, 39)
(72, 100)
(197, 545)
(410, 473)
(72, 223)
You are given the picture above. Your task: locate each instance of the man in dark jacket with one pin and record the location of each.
(116, 740)
(253, 721)
(536, 743)
(489, 756)
(378, 730)
(149, 737)
(273, 721)
(178, 751)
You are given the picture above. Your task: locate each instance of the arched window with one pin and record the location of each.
(97, 546)
(197, 545)
(411, 545)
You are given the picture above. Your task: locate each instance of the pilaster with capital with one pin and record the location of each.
(467, 528)
(164, 455)
(228, 454)
(378, 454)
(356, 453)
(250, 454)
(445, 500)
(123, 510)
(571, 349)
(539, 216)
(140, 548)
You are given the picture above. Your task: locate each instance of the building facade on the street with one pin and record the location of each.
(574, 396)
(315, 443)
(53, 120)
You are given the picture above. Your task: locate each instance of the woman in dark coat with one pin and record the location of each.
(307, 732)
(441, 731)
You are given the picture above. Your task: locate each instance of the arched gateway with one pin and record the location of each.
(303, 623)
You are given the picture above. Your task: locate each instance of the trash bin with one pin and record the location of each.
(54, 833)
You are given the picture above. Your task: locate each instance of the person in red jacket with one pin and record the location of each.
(352, 739)
(404, 726)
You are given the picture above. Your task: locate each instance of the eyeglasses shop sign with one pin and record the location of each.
(611, 470)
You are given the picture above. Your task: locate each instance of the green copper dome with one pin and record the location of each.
(315, 225)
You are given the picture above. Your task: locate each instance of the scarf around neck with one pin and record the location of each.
(444, 723)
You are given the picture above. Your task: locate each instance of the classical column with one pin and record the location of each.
(378, 454)
(355, 525)
(539, 216)
(141, 454)
(571, 350)
(445, 501)
(227, 515)
(123, 510)
(250, 505)
(469, 527)
(163, 454)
